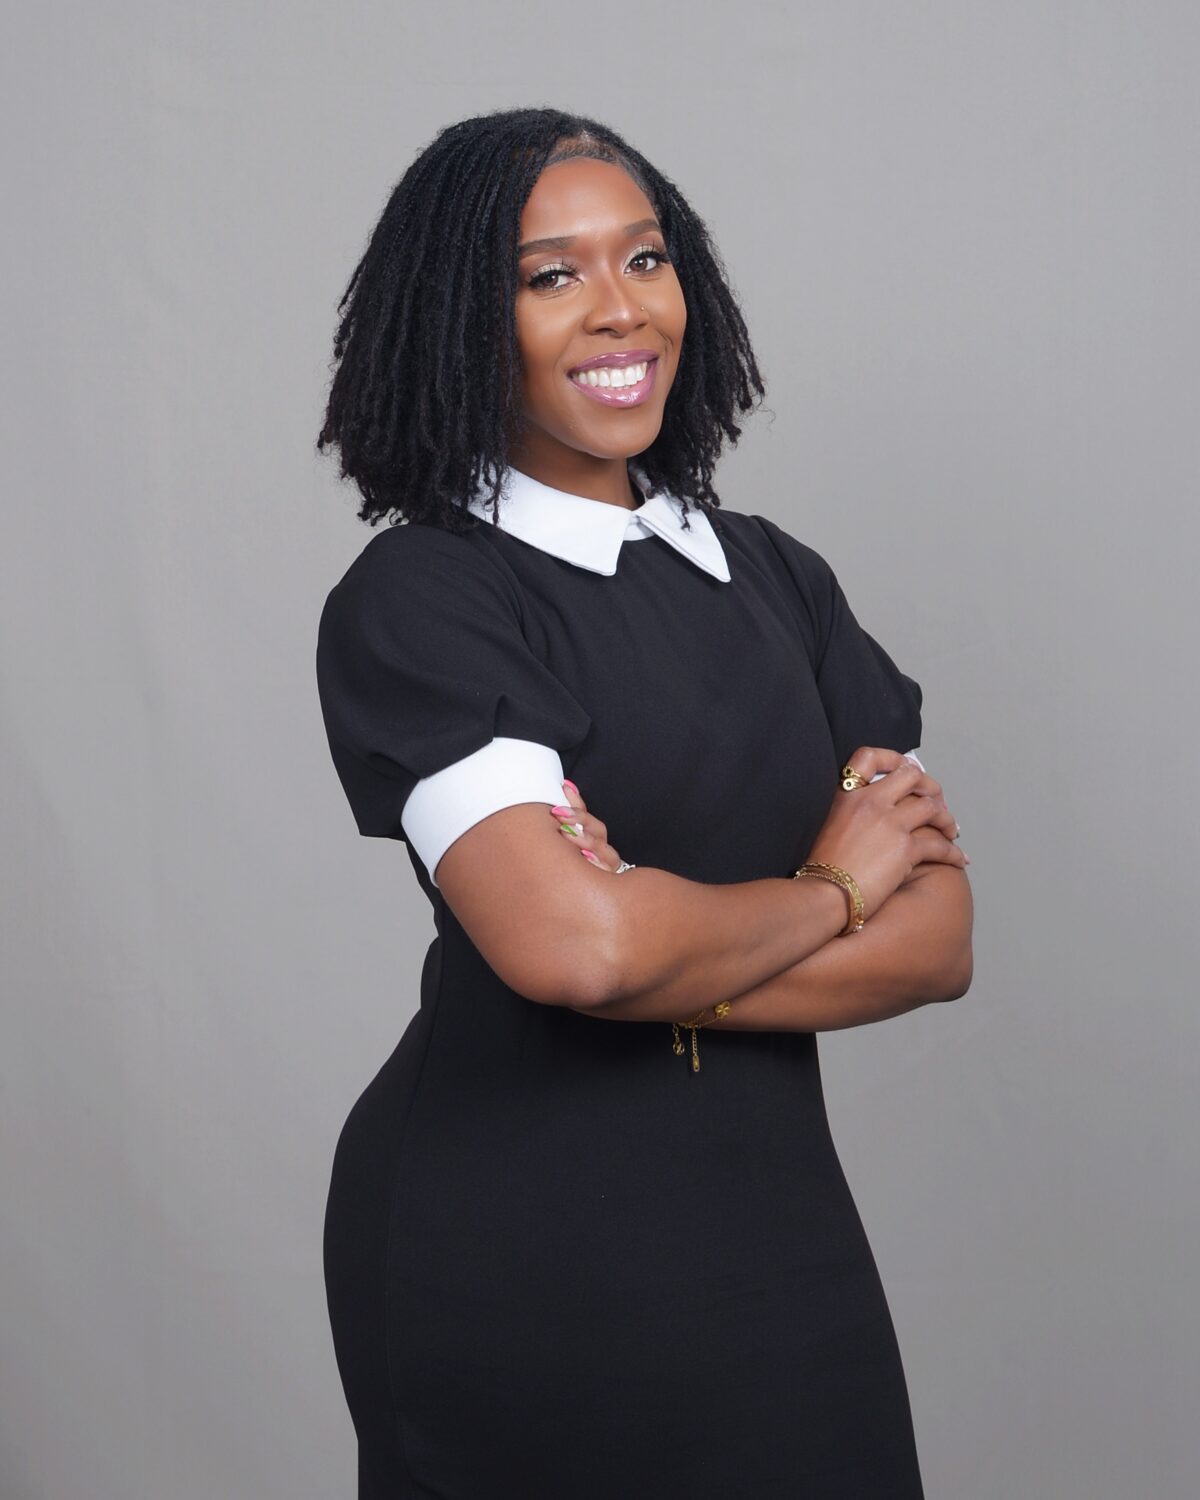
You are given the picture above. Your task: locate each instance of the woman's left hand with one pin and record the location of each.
(586, 832)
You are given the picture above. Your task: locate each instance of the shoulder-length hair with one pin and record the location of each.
(426, 380)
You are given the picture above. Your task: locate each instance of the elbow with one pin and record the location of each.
(588, 983)
(957, 979)
(592, 980)
(597, 971)
(575, 976)
(577, 970)
(958, 967)
(584, 944)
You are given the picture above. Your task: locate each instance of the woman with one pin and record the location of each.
(563, 1261)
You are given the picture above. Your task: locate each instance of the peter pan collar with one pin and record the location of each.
(589, 533)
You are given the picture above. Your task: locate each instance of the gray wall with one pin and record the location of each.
(965, 239)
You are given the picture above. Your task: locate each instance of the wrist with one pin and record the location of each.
(828, 901)
(836, 875)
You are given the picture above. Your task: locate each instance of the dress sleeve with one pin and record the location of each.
(437, 710)
(868, 700)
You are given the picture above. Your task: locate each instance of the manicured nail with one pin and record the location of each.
(562, 811)
(966, 858)
(587, 854)
(573, 787)
(574, 829)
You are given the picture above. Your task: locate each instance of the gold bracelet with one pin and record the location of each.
(847, 882)
(721, 1008)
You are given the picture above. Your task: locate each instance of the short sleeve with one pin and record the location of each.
(867, 699)
(436, 708)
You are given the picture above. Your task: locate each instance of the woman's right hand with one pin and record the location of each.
(880, 832)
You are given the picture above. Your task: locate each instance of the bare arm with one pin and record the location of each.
(562, 933)
(915, 950)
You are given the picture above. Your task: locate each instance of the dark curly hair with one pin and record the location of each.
(426, 364)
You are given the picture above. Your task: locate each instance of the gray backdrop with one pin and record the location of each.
(965, 240)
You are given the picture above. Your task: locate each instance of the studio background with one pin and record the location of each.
(964, 238)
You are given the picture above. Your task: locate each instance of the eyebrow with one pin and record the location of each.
(565, 241)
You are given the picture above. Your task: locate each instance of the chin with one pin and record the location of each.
(626, 444)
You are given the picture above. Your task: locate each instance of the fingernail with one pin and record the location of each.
(966, 859)
(562, 811)
(574, 829)
(587, 854)
(573, 787)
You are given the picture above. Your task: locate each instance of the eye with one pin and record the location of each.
(544, 277)
(653, 252)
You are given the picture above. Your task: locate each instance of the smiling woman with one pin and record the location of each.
(530, 244)
(603, 321)
(561, 1263)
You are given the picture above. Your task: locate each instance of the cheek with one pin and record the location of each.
(669, 310)
(680, 311)
(540, 392)
(528, 337)
(541, 381)
(539, 349)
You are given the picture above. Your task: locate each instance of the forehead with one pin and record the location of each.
(583, 196)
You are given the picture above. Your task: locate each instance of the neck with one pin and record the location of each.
(605, 479)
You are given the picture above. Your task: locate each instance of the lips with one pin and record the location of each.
(617, 359)
(626, 395)
(601, 378)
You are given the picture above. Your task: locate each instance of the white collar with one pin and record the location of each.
(589, 533)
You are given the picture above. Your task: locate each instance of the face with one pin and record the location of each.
(604, 296)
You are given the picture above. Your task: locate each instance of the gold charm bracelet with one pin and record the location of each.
(720, 1009)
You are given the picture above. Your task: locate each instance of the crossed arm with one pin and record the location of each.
(654, 946)
(915, 949)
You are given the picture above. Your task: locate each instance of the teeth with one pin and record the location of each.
(612, 375)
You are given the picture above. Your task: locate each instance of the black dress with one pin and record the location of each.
(560, 1264)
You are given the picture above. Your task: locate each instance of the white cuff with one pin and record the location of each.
(908, 755)
(501, 774)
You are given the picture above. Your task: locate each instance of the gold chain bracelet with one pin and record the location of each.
(855, 923)
(721, 1008)
(841, 877)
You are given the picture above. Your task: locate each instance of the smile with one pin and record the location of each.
(614, 385)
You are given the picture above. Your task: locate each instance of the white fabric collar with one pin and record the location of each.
(589, 533)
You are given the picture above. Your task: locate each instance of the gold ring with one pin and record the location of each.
(852, 779)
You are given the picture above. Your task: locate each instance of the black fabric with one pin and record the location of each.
(420, 661)
(560, 1265)
(866, 699)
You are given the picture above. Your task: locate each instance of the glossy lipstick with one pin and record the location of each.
(626, 395)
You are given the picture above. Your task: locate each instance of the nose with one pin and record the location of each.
(614, 305)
